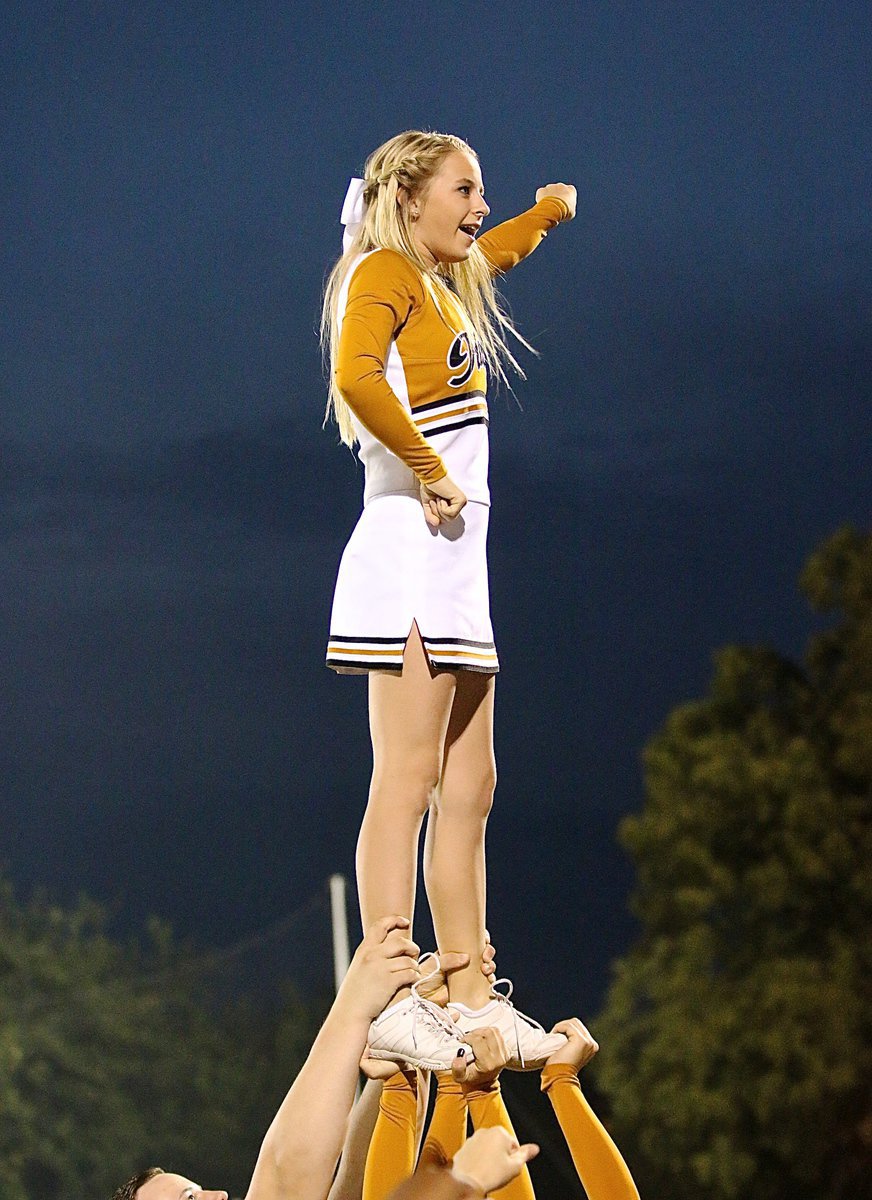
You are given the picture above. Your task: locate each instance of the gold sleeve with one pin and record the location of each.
(391, 1155)
(447, 1130)
(384, 293)
(487, 1109)
(603, 1173)
(506, 245)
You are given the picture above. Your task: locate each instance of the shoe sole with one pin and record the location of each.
(425, 1064)
(515, 1064)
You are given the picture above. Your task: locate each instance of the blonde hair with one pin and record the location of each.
(409, 161)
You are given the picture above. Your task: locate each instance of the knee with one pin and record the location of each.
(471, 798)
(487, 786)
(410, 785)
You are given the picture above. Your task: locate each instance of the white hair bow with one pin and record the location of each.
(353, 210)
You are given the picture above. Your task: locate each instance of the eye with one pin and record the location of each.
(464, 187)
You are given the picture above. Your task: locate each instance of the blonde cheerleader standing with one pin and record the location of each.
(412, 325)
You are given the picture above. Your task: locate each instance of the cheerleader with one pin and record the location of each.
(411, 325)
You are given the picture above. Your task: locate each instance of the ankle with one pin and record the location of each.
(473, 991)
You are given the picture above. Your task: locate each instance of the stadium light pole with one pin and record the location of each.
(339, 921)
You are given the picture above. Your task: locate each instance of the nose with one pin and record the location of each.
(482, 208)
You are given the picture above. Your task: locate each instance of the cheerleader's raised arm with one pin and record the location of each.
(507, 244)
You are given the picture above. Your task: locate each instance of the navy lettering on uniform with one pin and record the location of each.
(462, 360)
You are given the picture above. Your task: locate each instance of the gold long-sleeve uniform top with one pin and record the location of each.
(407, 368)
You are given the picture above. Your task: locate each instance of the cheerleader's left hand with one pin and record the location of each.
(562, 191)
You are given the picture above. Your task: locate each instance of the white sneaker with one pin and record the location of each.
(526, 1040)
(417, 1033)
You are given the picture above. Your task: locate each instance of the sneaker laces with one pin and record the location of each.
(426, 1011)
(422, 958)
(503, 998)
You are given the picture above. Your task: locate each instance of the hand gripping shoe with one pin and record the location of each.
(417, 1033)
(527, 1042)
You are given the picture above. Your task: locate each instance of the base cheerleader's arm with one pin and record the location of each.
(391, 1155)
(301, 1148)
(603, 1173)
(482, 1166)
(488, 1111)
(480, 1087)
(507, 244)
(447, 1130)
(348, 1182)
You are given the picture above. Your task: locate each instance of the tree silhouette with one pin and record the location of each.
(736, 1032)
(115, 1057)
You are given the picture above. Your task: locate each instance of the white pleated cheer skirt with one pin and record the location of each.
(396, 571)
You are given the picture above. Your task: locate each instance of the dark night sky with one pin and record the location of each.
(172, 512)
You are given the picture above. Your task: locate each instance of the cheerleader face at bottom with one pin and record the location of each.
(175, 1187)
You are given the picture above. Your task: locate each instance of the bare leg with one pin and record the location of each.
(454, 859)
(408, 717)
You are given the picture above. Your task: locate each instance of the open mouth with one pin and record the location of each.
(469, 230)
